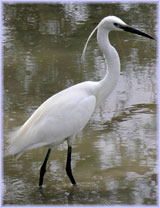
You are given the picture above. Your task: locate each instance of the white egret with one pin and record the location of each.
(66, 113)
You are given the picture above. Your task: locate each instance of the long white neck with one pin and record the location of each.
(108, 83)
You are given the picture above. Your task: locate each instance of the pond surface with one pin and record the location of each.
(114, 158)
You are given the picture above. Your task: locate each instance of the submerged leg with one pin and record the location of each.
(68, 166)
(43, 168)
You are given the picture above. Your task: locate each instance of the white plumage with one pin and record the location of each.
(66, 113)
(56, 119)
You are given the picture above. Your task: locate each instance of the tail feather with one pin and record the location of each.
(10, 151)
(22, 142)
(17, 144)
(13, 149)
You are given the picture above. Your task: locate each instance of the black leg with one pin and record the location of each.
(43, 168)
(68, 166)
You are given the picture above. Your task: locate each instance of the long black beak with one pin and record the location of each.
(132, 30)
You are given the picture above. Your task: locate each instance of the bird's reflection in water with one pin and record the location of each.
(72, 193)
(68, 196)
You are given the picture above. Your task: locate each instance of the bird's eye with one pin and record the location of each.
(117, 25)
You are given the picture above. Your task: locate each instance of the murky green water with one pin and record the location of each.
(115, 158)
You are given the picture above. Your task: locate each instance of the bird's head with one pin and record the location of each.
(112, 23)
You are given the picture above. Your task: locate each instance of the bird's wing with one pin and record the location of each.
(61, 116)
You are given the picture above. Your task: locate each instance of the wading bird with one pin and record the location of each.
(66, 113)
